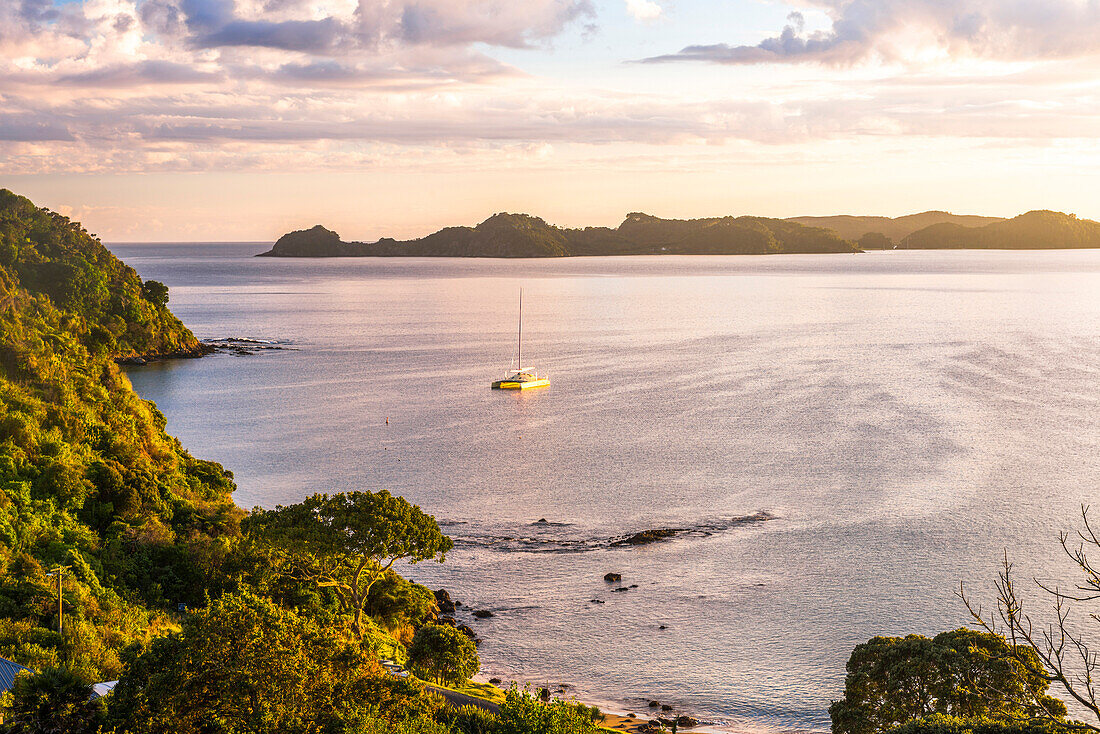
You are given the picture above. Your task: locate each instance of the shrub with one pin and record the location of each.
(524, 713)
(442, 653)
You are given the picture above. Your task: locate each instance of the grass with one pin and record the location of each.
(484, 691)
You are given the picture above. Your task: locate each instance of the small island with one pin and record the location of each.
(522, 235)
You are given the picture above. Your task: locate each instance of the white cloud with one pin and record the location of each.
(907, 30)
(643, 9)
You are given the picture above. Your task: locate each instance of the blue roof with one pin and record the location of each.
(8, 671)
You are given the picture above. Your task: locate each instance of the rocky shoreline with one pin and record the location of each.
(199, 350)
(238, 346)
(659, 717)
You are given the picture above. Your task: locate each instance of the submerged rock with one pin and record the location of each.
(648, 536)
(483, 614)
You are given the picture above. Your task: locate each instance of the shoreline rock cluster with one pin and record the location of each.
(449, 607)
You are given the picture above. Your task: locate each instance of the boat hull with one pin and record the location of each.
(525, 385)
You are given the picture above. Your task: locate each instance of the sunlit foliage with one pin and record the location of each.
(964, 674)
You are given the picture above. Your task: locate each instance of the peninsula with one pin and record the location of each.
(522, 235)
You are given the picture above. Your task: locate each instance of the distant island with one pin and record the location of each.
(522, 235)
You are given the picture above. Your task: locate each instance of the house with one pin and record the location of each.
(8, 671)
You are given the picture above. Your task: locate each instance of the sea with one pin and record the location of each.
(840, 441)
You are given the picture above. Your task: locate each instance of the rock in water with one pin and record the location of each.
(483, 614)
(443, 599)
(648, 536)
(610, 577)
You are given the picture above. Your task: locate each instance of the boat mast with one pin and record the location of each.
(520, 328)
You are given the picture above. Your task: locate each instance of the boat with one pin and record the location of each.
(521, 378)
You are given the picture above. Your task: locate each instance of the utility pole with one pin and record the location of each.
(59, 572)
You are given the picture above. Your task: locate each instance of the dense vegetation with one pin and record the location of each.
(1037, 230)
(965, 675)
(90, 479)
(521, 235)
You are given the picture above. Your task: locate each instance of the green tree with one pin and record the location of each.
(348, 541)
(395, 601)
(155, 292)
(963, 673)
(55, 701)
(245, 665)
(442, 653)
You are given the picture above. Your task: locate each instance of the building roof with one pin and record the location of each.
(8, 671)
(102, 689)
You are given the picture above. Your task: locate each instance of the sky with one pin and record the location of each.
(233, 120)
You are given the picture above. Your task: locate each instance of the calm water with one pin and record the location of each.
(901, 416)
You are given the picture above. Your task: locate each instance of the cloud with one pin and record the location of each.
(142, 72)
(189, 85)
(643, 9)
(27, 128)
(314, 36)
(295, 25)
(495, 22)
(906, 30)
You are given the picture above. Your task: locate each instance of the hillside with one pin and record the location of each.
(522, 235)
(896, 229)
(90, 478)
(1036, 230)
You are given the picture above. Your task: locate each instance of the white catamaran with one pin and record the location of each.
(522, 378)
